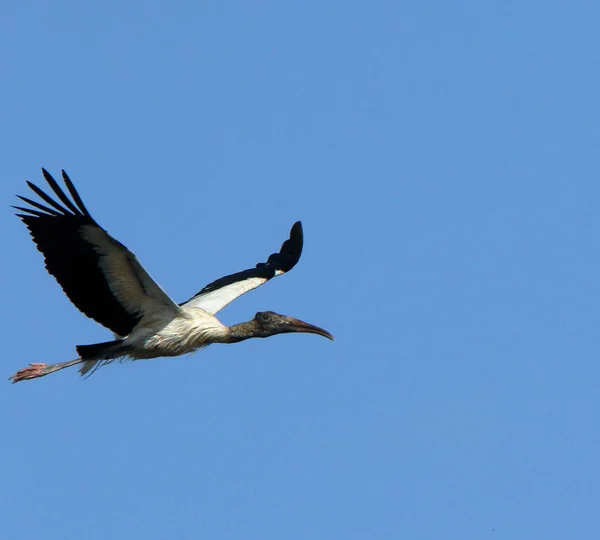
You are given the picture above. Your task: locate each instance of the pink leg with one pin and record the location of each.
(39, 370)
(31, 372)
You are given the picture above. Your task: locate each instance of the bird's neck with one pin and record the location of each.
(242, 331)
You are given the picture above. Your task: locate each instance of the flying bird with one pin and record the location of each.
(105, 281)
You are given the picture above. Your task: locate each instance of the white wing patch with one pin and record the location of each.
(216, 295)
(216, 300)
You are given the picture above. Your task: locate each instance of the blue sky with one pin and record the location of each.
(444, 160)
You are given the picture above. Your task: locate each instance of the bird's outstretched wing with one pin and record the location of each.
(98, 274)
(216, 295)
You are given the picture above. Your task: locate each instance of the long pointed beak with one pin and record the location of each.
(296, 325)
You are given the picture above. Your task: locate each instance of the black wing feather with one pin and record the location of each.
(71, 259)
(37, 205)
(283, 261)
(59, 192)
(47, 198)
(29, 212)
(74, 193)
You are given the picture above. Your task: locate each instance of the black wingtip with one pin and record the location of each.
(290, 251)
(71, 187)
(296, 228)
(297, 237)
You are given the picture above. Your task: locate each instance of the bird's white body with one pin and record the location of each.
(192, 329)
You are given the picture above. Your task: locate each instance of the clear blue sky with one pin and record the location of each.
(444, 159)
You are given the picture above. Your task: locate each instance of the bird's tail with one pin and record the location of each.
(93, 355)
(101, 351)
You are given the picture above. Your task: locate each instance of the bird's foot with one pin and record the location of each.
(31, 372)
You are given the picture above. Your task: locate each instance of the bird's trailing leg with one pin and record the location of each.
(40, 370)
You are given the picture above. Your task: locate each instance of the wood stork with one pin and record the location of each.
(105, 281)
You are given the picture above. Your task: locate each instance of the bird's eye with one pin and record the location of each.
(263, 317)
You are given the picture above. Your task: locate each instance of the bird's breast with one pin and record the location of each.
(193, 329)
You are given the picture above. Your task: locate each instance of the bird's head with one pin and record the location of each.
(268, 323)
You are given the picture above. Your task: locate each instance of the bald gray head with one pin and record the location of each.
(268, 323)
